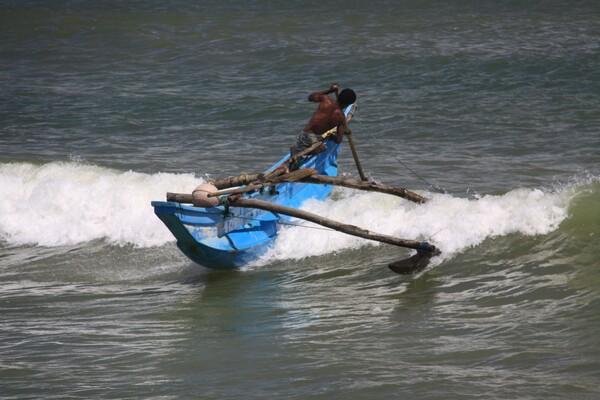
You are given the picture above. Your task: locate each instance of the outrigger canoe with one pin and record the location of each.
(225, 237)
(239, 227)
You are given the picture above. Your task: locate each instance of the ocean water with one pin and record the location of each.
(490, 109)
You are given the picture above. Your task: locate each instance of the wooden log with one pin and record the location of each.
(274, 180)
(295, 157)
(232, 181)
(311, 177)
(297, 175)
(238, 201)
(185, 198)
(368, 186)
(289, 177)
(245, 179)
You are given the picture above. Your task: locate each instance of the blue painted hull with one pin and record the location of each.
(229, 239)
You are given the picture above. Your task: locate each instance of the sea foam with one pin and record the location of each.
(452, 224)
(66, 203)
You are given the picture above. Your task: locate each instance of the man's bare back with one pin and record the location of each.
(330, 113)
(327, 116)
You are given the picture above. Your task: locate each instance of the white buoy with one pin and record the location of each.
(200, 196)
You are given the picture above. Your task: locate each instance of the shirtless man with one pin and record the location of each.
(328, 115)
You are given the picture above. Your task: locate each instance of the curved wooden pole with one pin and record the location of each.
(413, 264)
(238, 201)
(289, 177)
(314, 179)
(368, 186)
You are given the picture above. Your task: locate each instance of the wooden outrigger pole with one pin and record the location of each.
(302, 176)
(407, 266)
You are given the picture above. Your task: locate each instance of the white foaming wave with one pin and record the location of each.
(453, 224)
(66, 203)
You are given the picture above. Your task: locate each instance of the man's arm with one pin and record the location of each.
(316, 97)
(342, 129)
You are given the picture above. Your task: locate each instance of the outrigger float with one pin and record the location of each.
(231, 222)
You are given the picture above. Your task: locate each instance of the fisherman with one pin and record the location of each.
(329, 115)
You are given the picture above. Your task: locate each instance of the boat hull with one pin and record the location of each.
(230, 238)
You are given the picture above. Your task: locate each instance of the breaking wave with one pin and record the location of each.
(66, 203)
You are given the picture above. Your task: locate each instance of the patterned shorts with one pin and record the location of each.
(304, 141)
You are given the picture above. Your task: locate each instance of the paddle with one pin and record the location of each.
(355, 155)
(351, 142)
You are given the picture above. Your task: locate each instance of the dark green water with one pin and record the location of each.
(105, 106)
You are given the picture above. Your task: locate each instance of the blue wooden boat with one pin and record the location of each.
(231, 237)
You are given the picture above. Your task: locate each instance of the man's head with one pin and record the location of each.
(346, 97)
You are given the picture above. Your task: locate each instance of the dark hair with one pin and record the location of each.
(347, 97)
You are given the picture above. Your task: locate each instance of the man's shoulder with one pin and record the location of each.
(319, 98)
